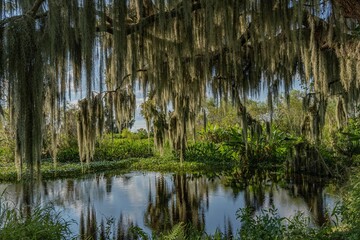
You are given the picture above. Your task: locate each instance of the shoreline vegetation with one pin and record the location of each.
(180, 53)
(215, 151)
(76, 170)
(216, 154)
(268, 225)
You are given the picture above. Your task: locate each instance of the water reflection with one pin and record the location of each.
(312, 191)
(156, 202)
(185, 201)
(91, 229)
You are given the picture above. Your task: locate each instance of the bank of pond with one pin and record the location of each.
(224, 189)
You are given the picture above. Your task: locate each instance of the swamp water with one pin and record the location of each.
(156, 202)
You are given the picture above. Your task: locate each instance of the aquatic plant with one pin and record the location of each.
(38, 223)
(268, 225)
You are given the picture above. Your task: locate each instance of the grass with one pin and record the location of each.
(39, 223)
(69, 170)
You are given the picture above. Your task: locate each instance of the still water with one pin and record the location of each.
(156, 201)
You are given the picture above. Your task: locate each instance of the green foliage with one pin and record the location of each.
(7, 143)
(176, 233)
(289, 115)
(41, 223)
(110, 148)
(216, 134)
(266, 226)
(142, 133)
(68, 154)
(222, 114)
(210, 152)
(77, 169)
(126, 133)
(173, 165)
(351, 208)
(224, 144)
(258, 110)
(262, 151)
(116, 149)
(6, 154)
(347, 141)
(269, 226)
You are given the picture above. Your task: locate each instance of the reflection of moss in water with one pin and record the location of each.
(177, 203)
(238, 178)
(311, 190)
(260, 185)
(180, 198)
(91, 229)
(183, 200)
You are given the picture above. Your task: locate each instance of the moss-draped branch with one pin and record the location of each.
(183, 48)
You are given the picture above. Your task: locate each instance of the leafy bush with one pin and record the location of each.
(210, 152)
(268, 225)
(261, 151)
(6, 154)
(351, 208)
(68, 154)
(7, 145)
(142, 133)
(139, 134)
(109, 150)
(216, 134)
(41, 223)
(347, 142)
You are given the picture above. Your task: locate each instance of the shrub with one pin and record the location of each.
(126, 133)
(68, 154)
(216, 134)
(351, 208)
(210, 152)
(6, 154)
(109, 150)
(347, 142)
(41, 223)
(268, 225)
(142, 133)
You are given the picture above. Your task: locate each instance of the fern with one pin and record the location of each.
(176, 233)
(137, 231)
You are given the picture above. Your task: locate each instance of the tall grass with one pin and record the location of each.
(31, 223)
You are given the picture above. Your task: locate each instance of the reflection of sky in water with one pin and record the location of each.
(129, 194)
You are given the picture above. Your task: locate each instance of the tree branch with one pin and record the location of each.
(122, 81)
(132, 28)
(32, 12)
(156, 17)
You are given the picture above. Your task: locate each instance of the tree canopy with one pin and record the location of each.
(174, 49)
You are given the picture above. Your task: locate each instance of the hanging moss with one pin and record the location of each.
(124, 105)
(25, 77)
(341, 113)
(90, 123)
(176, 49)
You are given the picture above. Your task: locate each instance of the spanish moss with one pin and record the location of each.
(178, 50)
